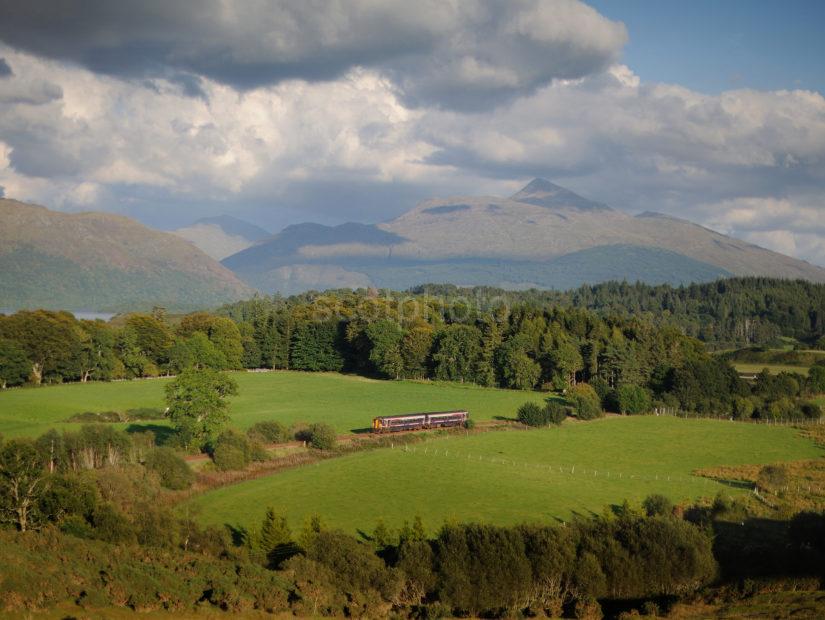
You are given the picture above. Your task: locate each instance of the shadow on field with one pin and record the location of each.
(162, 433)
(736, 484)
(360, 431)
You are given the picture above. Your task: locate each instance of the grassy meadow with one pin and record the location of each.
(774, 369)
(509, 476)
(346, 402)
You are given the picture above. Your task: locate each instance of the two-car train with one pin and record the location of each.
(419, 421)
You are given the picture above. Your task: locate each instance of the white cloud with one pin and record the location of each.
(744, 162)
(467, 54)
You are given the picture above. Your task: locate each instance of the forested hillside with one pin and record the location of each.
(102, 262)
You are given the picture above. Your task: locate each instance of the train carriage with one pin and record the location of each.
(419, 421)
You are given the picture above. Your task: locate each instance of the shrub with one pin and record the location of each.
(232, 451)
(586, 402)
(816, 379)
(111, 525)
(68, 496)
(633, 399)
(482, 569)
(555, 412)
(469, 424)
(533, 414)
(772, 478)
(172, 470)
(229, 458)
(811, 411)
(530, 414)
(354, 568)
(269, 432)
(657, 505)
(322, 436)
(257, 452)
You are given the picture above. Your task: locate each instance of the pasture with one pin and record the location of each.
(774, 369)
(346, 402)
(509, 476)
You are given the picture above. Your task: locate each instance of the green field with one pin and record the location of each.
(346, 402)
(772, 368)
(510, 476)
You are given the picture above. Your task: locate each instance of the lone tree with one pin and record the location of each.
(197, 404)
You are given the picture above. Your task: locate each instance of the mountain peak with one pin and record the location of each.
(539, 185)
(234, 226)
(543, 193)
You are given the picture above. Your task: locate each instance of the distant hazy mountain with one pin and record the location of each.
(543, 236)
(222, 236)
(100, 261)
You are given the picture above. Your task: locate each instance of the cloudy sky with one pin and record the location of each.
(353, 110)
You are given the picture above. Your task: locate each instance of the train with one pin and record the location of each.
(419, 421)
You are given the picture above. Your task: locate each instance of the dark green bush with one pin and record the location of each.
(811, 411)
(173, 471)
(555, 412)
(657, 505)
(112, 525)
(322, 436)
(586, 402)
(269, 432)
(531, 414)
(232, 451)
(68, 496)
(633, 399)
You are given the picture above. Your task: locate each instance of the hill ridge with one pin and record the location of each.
(512, 242)
(101, 261)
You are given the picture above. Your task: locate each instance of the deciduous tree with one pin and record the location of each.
(197, 404)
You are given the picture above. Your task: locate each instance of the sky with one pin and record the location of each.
(281, 112)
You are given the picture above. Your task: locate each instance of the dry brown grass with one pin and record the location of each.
(805, 489)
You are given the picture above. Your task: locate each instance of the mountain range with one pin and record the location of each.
(222, 236)
(103, 262)
(543, 236)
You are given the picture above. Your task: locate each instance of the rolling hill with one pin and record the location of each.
(103, 262)
(543, 236)
(222, 236)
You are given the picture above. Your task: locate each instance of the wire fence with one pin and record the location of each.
(690, 415)
(584, 474)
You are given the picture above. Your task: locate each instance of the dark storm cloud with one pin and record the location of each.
(468, 55)
(5, 69)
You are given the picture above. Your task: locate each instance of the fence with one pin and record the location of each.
(691, 415)
(584, 474)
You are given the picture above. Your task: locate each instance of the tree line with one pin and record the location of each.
(627, 364)
(725, 313)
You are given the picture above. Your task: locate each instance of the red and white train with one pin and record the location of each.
(419, 421)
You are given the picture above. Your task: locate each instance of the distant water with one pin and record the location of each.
(87, 315)
(91, 316)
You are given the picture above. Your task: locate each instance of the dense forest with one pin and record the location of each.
(731, 312)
